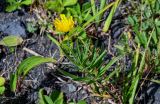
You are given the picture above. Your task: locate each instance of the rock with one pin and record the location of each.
(2, 5)
(68, 88)
(71, 88)
(13, 24)
(13, 28)
(154, 94)
(150, 94)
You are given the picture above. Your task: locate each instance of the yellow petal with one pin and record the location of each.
(64, 24)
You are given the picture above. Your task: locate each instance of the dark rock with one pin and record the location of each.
(13, 28)
(150, 94)
(74, 91)
(13, 24)
(2, 5)
(154, 94)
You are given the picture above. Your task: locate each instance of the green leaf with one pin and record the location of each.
(69, 2)
(133, 89)
(154, 37)
(78, 8)
(27, 2)
(93, 6)
(111, 75)
(31, 27)
(31, 62)
(54, 95)
(2, 81)
(54, 6)
(59, 1)
(11, 8)
(157, 22)
(81, 102)
(59, 99)
(86, 6)
(11, 41)
(104, 69)
(87, 16)
(102, 5)
(2, 89)
(72, 11)
(13, 82)
(111, 14)
(95, 16)
(48, 100)
(98, 59)
(131, 20)
(40, 95)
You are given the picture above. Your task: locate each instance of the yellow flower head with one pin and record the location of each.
(64, 24)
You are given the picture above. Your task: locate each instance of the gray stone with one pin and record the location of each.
(13, 24)
(71, 88)
(13, 28)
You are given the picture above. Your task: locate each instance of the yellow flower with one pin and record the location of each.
(64, 24)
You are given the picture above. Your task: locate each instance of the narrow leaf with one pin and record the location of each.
(31, 62)
(103, 70)
(48, 100)
(40, 95)
(111, 14)
(13, 82)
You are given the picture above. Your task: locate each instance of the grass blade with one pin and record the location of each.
(111, 14)
(93, 6)
(95, 16)
(104, 69)
(13, 82)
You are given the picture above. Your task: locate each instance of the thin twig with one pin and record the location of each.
(31, 52)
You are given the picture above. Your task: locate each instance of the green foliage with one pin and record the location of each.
(84, 14)
(13, 82)
(87, 59)
(2, 87)
(59, 5)
(17, 4)
(80, 14)
(56, 97)
(84, 19)
(31, 27)
(25, 66)
(2, 81)
(99, 13)
(146, 25)
(11, 41)
(147, 52)
(149, 24)
(111, 14)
